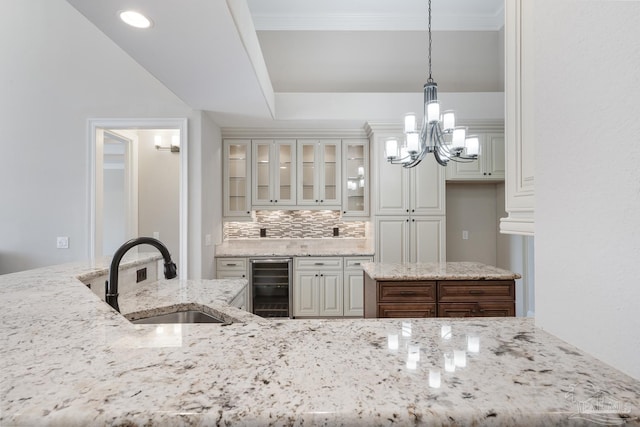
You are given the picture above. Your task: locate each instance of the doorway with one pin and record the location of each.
(138, 173)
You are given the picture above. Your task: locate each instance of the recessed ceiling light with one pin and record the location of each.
(135, 19)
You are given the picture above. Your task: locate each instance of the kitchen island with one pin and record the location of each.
(446, 289)
(69, 359)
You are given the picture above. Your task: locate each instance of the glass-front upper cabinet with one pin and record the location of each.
(236, 169)
(274, 173)
(355, 190)
(319, 171)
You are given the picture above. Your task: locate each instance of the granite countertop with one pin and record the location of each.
(295, 247)
(69, 359)
(437, 271)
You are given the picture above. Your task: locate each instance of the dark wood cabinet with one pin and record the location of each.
(439, 298)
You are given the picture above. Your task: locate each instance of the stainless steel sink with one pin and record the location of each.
(187, 316)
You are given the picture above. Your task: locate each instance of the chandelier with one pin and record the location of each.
(438, 133)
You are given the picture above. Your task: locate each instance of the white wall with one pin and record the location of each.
(57, 71)
(587, 127)
(205, 195)
(472, 207)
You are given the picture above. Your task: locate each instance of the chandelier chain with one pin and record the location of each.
(430, 79)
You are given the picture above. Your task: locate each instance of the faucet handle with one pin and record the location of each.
(170, 270)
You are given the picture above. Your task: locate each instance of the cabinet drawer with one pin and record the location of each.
(318, 263)
(353, 263)
(406, 310)
(231, 263)
(409, 292)
(476, 290)
(479, 309)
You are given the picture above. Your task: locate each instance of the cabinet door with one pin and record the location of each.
(331, 293)
(427, 182)
(274, 173)
(353, 293)
(427, 239)
(391, 184)
(319, 173)
(307, 173)
(305, 294)
(236, 172)
(283, 172)
(494, 158)
(392, 245)
(355, 171)
(262, 194)
(462, 171)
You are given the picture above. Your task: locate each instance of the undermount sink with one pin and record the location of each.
(186, 316)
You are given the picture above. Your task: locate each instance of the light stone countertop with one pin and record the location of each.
(437, 271)
(295, 247)
(69, 359)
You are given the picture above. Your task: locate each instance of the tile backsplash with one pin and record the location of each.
(295, 225)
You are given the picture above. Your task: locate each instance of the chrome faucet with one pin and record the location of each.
(111, 286)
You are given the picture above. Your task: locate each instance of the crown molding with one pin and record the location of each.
(476, 125)
(271, 133)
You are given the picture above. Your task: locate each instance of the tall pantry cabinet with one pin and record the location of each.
(409, 206)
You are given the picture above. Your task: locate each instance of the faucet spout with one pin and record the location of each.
(111, 286)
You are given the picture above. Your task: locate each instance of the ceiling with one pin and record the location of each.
(235, 58)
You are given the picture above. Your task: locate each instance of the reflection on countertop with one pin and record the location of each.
(69, 359)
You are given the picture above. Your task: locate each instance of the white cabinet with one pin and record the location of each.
(417, 191)
(519, 118)
(318, 287)
(295, 174)
(319, 170)
(236, 173)
(410, 239)
(410, 208)
(231, 268)
(489, 166)
(273, 173)
(355, 178)
(354, 286)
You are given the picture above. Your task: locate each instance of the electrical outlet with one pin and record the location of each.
(141, 275)
(207, 239)
(62, 242)
(156, 234)
(336, 232)
(465, 235)
(263, 232)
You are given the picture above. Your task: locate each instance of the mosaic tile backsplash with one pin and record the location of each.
(295, 225)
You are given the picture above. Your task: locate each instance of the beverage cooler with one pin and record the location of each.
(271, 287)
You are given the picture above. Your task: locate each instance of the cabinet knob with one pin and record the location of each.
(344, 212)
(407, 219)
(489, 173)
(407, 210)
(413, 210)
(316, 200)
(276, 201)
(413, 220)
(321, 201)
(248, 212)
(484, 173)
(271, 201)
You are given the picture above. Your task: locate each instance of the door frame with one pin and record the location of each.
(140, 124)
